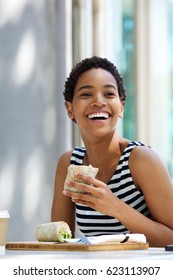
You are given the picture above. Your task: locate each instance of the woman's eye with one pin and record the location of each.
(85, 94)
(110, 94)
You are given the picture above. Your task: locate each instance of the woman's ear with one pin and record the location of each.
(69, 108)
(121, 114)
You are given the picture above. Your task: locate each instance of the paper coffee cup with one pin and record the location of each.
(73, 170)
(4, 216)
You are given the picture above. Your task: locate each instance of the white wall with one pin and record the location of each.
(34, 129)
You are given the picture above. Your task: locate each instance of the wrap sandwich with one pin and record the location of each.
(73, 170)
(53, 232)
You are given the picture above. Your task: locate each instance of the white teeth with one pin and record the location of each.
(98, 115)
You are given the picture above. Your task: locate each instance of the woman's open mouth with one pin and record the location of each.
(98, 116)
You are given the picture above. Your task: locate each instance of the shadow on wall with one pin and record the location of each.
(28, 116)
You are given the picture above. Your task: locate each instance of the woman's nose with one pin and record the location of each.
(98, 101)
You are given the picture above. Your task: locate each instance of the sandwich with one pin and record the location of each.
(72, 172)
(53, 232)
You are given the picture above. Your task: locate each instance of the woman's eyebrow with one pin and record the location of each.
(85, 87)
(105, 86)
(110, 85)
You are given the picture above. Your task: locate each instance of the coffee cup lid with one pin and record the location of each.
(4, 214)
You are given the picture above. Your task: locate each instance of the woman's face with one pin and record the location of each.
(96, 104)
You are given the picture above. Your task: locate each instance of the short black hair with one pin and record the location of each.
(87, 64)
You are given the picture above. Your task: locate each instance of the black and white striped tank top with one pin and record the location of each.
(91, 222)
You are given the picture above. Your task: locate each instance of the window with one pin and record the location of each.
(126, 32)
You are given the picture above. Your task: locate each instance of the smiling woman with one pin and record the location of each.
(121, 199)
(96, 103)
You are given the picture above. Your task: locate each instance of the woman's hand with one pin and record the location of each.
(96, 195)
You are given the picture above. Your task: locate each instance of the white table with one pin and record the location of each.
(93, 265)
(151, 253)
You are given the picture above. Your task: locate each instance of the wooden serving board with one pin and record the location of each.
(53, 246)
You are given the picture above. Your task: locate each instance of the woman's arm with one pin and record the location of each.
(151, 176)
(63, 209)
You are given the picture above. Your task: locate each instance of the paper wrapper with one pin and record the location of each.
(73, 170)
(116, 238)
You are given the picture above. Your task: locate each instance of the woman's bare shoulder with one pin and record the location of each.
(144, 155)
(63, 163)
(65, 157)
(61, 172)
(147, 166)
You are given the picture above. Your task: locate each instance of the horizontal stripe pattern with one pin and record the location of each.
(93, 223)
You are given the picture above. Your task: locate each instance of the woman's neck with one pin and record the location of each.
(104, 154)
